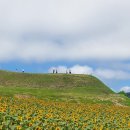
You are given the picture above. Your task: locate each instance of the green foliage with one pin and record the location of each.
(122, 92)
(59, 81)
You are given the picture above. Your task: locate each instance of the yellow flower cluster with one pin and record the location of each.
(36, 114)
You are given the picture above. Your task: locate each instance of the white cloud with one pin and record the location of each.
(49, 30)
(122, 66)
(77, 69)
(125, 89)
(112, 74)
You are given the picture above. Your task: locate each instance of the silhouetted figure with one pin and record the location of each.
(23, 70)
(69, 71)
(56, 71)
(53, 71)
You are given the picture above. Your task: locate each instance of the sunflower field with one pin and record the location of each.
(36, 114)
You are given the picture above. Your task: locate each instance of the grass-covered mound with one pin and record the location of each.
(89, 83)
(59, 87)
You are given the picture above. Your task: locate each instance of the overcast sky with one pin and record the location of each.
(87, 36)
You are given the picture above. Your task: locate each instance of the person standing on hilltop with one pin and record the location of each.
(53, 71)
(56, 71)
(23, 70)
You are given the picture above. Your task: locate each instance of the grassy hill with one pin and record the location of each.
(59, 87)
(93, 84)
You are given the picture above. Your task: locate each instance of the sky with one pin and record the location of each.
(86, 36)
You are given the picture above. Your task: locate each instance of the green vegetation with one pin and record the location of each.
(8, 79)
(59, 87)
(122, 92)
(36, 114)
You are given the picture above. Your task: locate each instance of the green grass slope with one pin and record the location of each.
(59, 87)
(64, 81)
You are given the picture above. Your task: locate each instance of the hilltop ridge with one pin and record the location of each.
(59, 87)
(15, 79)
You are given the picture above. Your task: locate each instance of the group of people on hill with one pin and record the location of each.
(55, 71)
